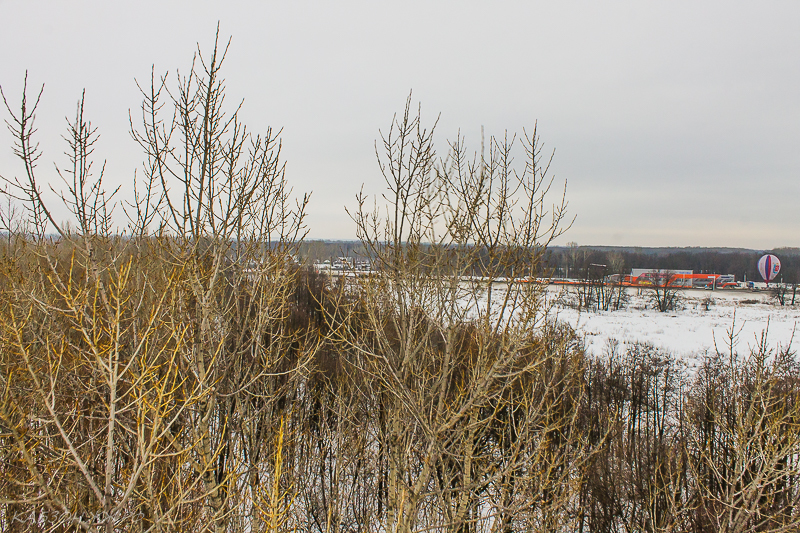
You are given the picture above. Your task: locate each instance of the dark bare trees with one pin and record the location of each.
(664, 290)
(743, 441)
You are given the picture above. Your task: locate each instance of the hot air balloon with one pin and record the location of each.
(768, 267)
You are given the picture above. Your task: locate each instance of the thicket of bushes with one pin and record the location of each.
(185, 375)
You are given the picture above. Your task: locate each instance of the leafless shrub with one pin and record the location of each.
(143, 372)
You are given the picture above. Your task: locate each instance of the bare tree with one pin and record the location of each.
(142, 373)
(448, 346)
(664, 290)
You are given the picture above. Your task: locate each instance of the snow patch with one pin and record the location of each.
(691, 331)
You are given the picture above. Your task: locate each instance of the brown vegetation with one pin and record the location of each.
(185, 375)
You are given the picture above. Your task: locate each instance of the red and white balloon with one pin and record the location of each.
(768, 267)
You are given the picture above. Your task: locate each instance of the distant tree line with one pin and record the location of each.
(578, 260)
(582, 261)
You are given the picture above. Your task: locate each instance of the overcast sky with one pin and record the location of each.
(674, 123)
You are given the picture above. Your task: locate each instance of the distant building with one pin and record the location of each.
(673, 278)
(680, 278)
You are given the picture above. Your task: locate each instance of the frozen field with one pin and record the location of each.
(690, 331)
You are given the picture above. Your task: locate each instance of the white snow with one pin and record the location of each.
(690, 331)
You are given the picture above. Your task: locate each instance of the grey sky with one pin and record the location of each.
(675, 123)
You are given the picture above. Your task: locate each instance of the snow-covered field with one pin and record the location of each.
(690, 331)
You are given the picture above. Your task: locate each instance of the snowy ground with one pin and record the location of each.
(691, 331)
